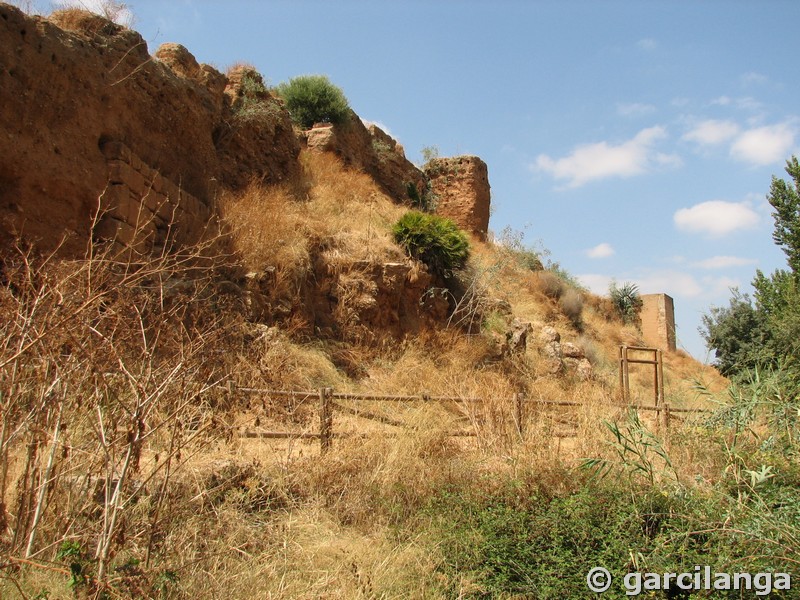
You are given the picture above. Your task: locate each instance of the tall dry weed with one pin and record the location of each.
(108, 377)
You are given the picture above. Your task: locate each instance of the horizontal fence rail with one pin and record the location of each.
(327, 399)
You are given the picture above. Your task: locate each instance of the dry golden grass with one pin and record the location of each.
(268, 230)
(280, 517)
(273, 360)
(345, 217)
(83, 21)
(341, 543)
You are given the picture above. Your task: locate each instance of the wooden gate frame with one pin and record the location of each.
(657, 361)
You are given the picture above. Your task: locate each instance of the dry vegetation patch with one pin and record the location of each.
(119, 434)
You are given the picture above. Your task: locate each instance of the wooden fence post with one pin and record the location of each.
(624, 374)
(660, 377)
(325, 419)
(520, 415)
(666, 416)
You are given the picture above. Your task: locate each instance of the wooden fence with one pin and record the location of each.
(329, 402)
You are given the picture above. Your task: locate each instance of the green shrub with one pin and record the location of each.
(626, 300)
(534, 546)
(314, 99)
(426, 201)
(434, 240)
(429, 153)
(514, 542)
(254, 103)
(511, 244)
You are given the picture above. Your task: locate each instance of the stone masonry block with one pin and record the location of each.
(110, 228)
(116, 151)
(120, 172)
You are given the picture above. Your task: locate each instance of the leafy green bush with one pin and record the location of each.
(511, 243)
(515, 542)
(626, 300)
(426, 201)
(511, 543)
(434, 240)
(738, 335)
(314, 99)
(254, 102)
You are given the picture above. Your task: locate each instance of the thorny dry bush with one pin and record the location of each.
(109, 371)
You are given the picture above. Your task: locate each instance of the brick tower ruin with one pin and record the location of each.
(461, 186)
(658, 321)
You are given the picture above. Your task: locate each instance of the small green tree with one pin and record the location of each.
(429, 153)
(314, 99)
(737, 334)
(746, 335)
(778, 305)
(785, 199)
(433, 240)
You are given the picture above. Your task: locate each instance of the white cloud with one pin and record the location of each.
(674, 283)
(748, 103)
(764, 145)
(647, 44)
(117, 12)
(595, 283)
(635, 109)
(712, 132)
(724, 262)
(716, 286)
(753, 78)
(668, 160)
(716, 217)
(602, 160)
(603, 250)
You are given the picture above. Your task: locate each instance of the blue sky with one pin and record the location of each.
(635, 140)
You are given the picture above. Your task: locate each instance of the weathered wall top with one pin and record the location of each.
(371, 150)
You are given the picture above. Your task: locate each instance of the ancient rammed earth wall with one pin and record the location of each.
(89, 119)
(75, 85)
(141, 209)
